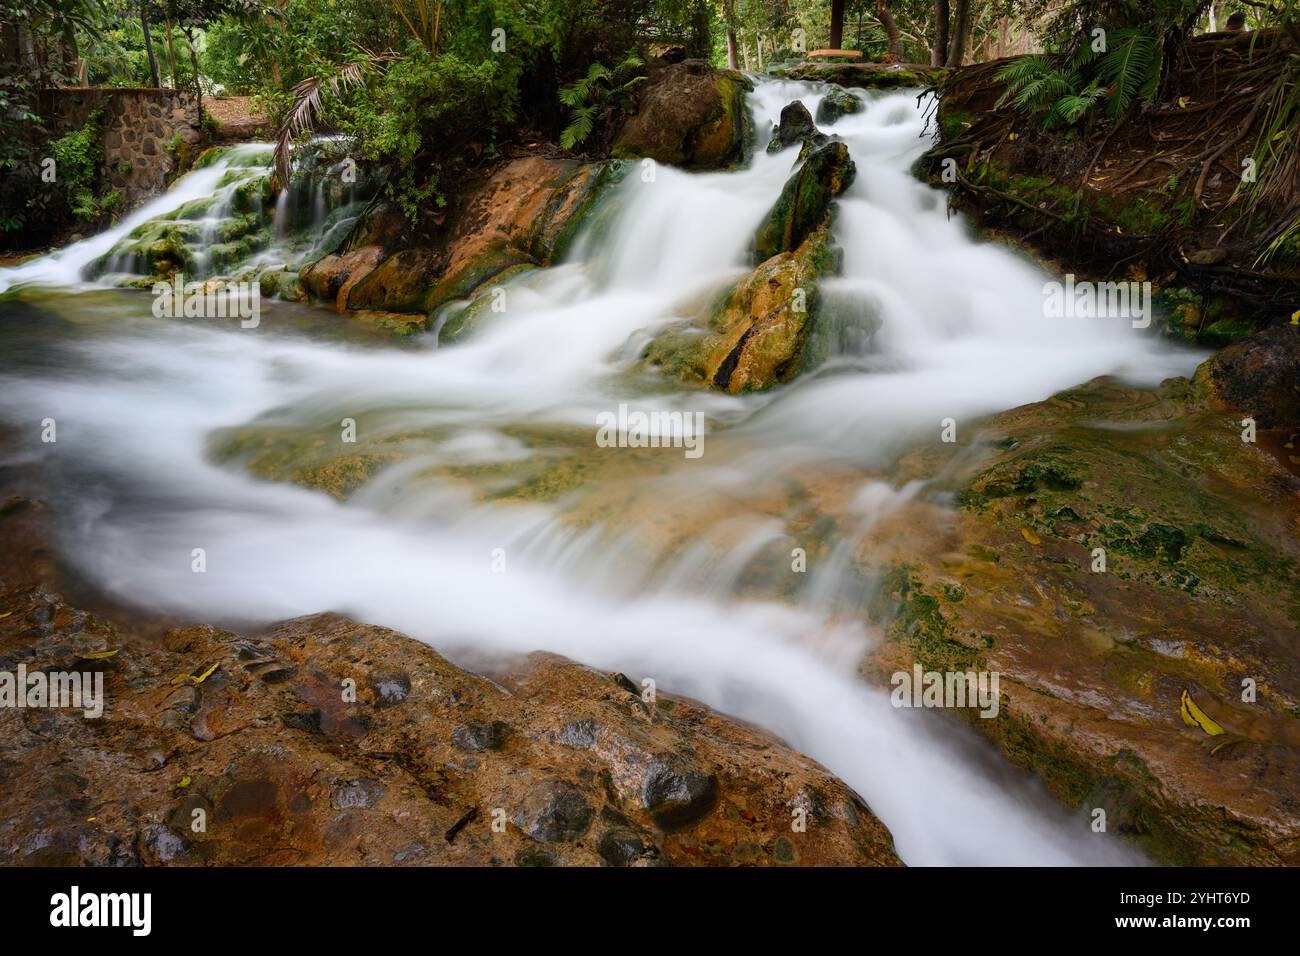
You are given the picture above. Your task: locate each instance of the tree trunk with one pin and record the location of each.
(731, 51)
(939, 55)
(837, 23)
(891, 30)
(960, 27)
(171, 54)
(194, 61)
(148, 45)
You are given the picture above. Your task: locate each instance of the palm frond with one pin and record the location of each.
(575, 94)
(303, 116)
(300, 118)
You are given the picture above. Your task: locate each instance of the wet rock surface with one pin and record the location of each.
(1198, 533)
(795, 125)
(525, 215)
(805, 200)
(838, 102)
(1260, 375)
(757, 334)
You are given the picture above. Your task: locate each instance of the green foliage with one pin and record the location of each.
(270, 53)
(597, 95)
(1130, 68)
(77, 158)
(1062, 91)
(421, 118)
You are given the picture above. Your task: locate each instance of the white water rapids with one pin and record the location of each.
(962, 333)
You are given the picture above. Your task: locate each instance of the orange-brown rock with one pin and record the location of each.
(322, 741)
(525, 215)
(331, 277)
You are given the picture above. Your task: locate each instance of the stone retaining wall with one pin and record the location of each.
(139, 128)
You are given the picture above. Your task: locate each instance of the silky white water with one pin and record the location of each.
(658, 566)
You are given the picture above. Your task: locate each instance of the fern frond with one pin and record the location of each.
(1130, 68)
(579, 129)
(1017, 74)
(575, 94)
(1071, 108)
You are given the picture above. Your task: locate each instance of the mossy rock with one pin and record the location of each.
(805, 200)
(551, 235)
(838, 102)
(282, 284)
(498, 261)
(864, 75)
(461, 318)
(690, 115)
(757, 333)
(794, 126)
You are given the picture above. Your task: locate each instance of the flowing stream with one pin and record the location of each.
(640, 560)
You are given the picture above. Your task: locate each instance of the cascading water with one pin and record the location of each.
(655, 565)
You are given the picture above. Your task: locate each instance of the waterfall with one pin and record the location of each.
(676, 569)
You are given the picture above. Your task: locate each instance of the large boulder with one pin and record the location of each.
(330, 278)
(1260, 376)
(325, 742)
(689, 115)
(805, 200)
(1126, 563)
(756, 334)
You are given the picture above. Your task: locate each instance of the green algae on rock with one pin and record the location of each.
(805, 200)
(838, 102)
(1113, 548)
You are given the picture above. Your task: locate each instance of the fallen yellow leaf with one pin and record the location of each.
(1030, 536)
(99, 655)
(1193, 716)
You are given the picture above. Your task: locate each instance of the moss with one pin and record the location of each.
(1225, 331)
(805, 201)
(862, 75)
(954, 121)
(915, 619)
(498, 262)
(1051, 469)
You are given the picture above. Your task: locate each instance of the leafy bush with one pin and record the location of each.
(77, 159)
(423, 118)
